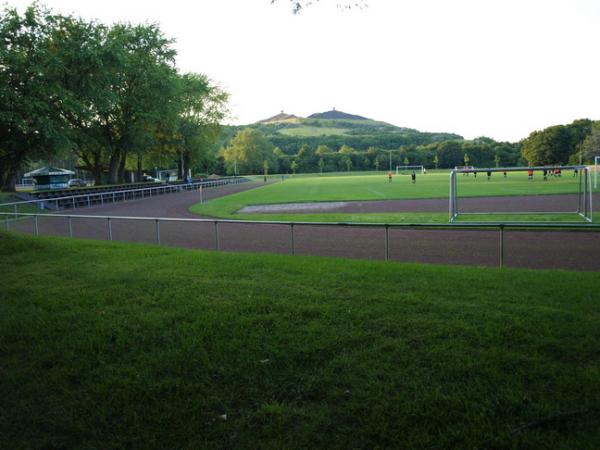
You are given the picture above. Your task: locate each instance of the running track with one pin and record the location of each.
(573, 250)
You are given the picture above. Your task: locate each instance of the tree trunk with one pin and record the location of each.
(97, 174)
(122, 167)
(9, 183)
(181, 167)
(113, 168)
(139, 168)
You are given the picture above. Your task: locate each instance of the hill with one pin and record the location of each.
(333, 114)
(279, 118)
(334, 129)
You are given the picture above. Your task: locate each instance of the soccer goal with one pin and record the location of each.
(543, 194)
(404, 170)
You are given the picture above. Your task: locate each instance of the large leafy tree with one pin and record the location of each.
(202, 107)
(556, 144)
(30, 123)
(247, 152)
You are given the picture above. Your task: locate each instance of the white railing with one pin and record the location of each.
(100, 198)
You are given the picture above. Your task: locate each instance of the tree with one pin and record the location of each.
(436, 161)
(266, 167)
(347, 161)
(248, 150)
(200, 107)
(376, 163)
(466, 159)
(556, 144)
(31, 126)
(321, 164)
(590, 147)
(346, 150)
(299, 5)
(306, 158)
(294, 166)
(322, 150)
(406, 161)
(497, 160)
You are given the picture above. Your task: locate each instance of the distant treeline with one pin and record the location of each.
(251, 150)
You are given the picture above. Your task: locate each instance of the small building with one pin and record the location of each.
(50, 177)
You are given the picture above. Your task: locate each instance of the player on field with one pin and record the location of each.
(504, 173)
(489, 174)
(390, 176)
(413, 177)
(530, 174)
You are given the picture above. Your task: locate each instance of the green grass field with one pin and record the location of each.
(376, 187)
(108, 345)
(308, 131)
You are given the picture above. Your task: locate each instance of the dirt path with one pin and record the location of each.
(518, 204)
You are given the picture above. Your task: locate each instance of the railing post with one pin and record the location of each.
(102, 199)
(158, 231)
(110, 237)
(293, 243)
(387, 242)
(88, 201)
(217, 247)
(37, 229)
(201, 199)
(16, 212)
(73, 202)
(6, 220)
(70, 227)
(113, 197)
(501, 246)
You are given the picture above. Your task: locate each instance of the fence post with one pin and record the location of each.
(101, 199)
(293, 243)
(88, 200)
(113, 197)
(217, 247)
(70, 227)
(110, 237)
(387, 242)
(201, 201)
(501, 246)
(157, 231)
(73, 202)
(37, 230)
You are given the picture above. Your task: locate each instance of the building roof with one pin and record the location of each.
(45, 171)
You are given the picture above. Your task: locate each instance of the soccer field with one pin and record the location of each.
(370, 187)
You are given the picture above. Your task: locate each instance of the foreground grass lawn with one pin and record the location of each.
(376, 187)
(107, 345)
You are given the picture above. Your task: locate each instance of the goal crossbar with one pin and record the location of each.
(398, 168)
(584, 194)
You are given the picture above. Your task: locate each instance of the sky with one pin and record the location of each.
(497, 68)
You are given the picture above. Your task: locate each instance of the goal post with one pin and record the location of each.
(409, 169)
(596, 160)
(525, 200)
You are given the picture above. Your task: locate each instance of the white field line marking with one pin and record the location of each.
(380, 194)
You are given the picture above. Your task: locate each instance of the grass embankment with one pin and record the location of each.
(107, 345)
(376, 187)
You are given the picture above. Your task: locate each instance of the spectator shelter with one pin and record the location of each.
(50, 177)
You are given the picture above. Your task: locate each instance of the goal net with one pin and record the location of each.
(542, 194)
(405, 170)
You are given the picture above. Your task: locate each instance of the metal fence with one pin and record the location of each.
(560, 246)
(104, 197)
